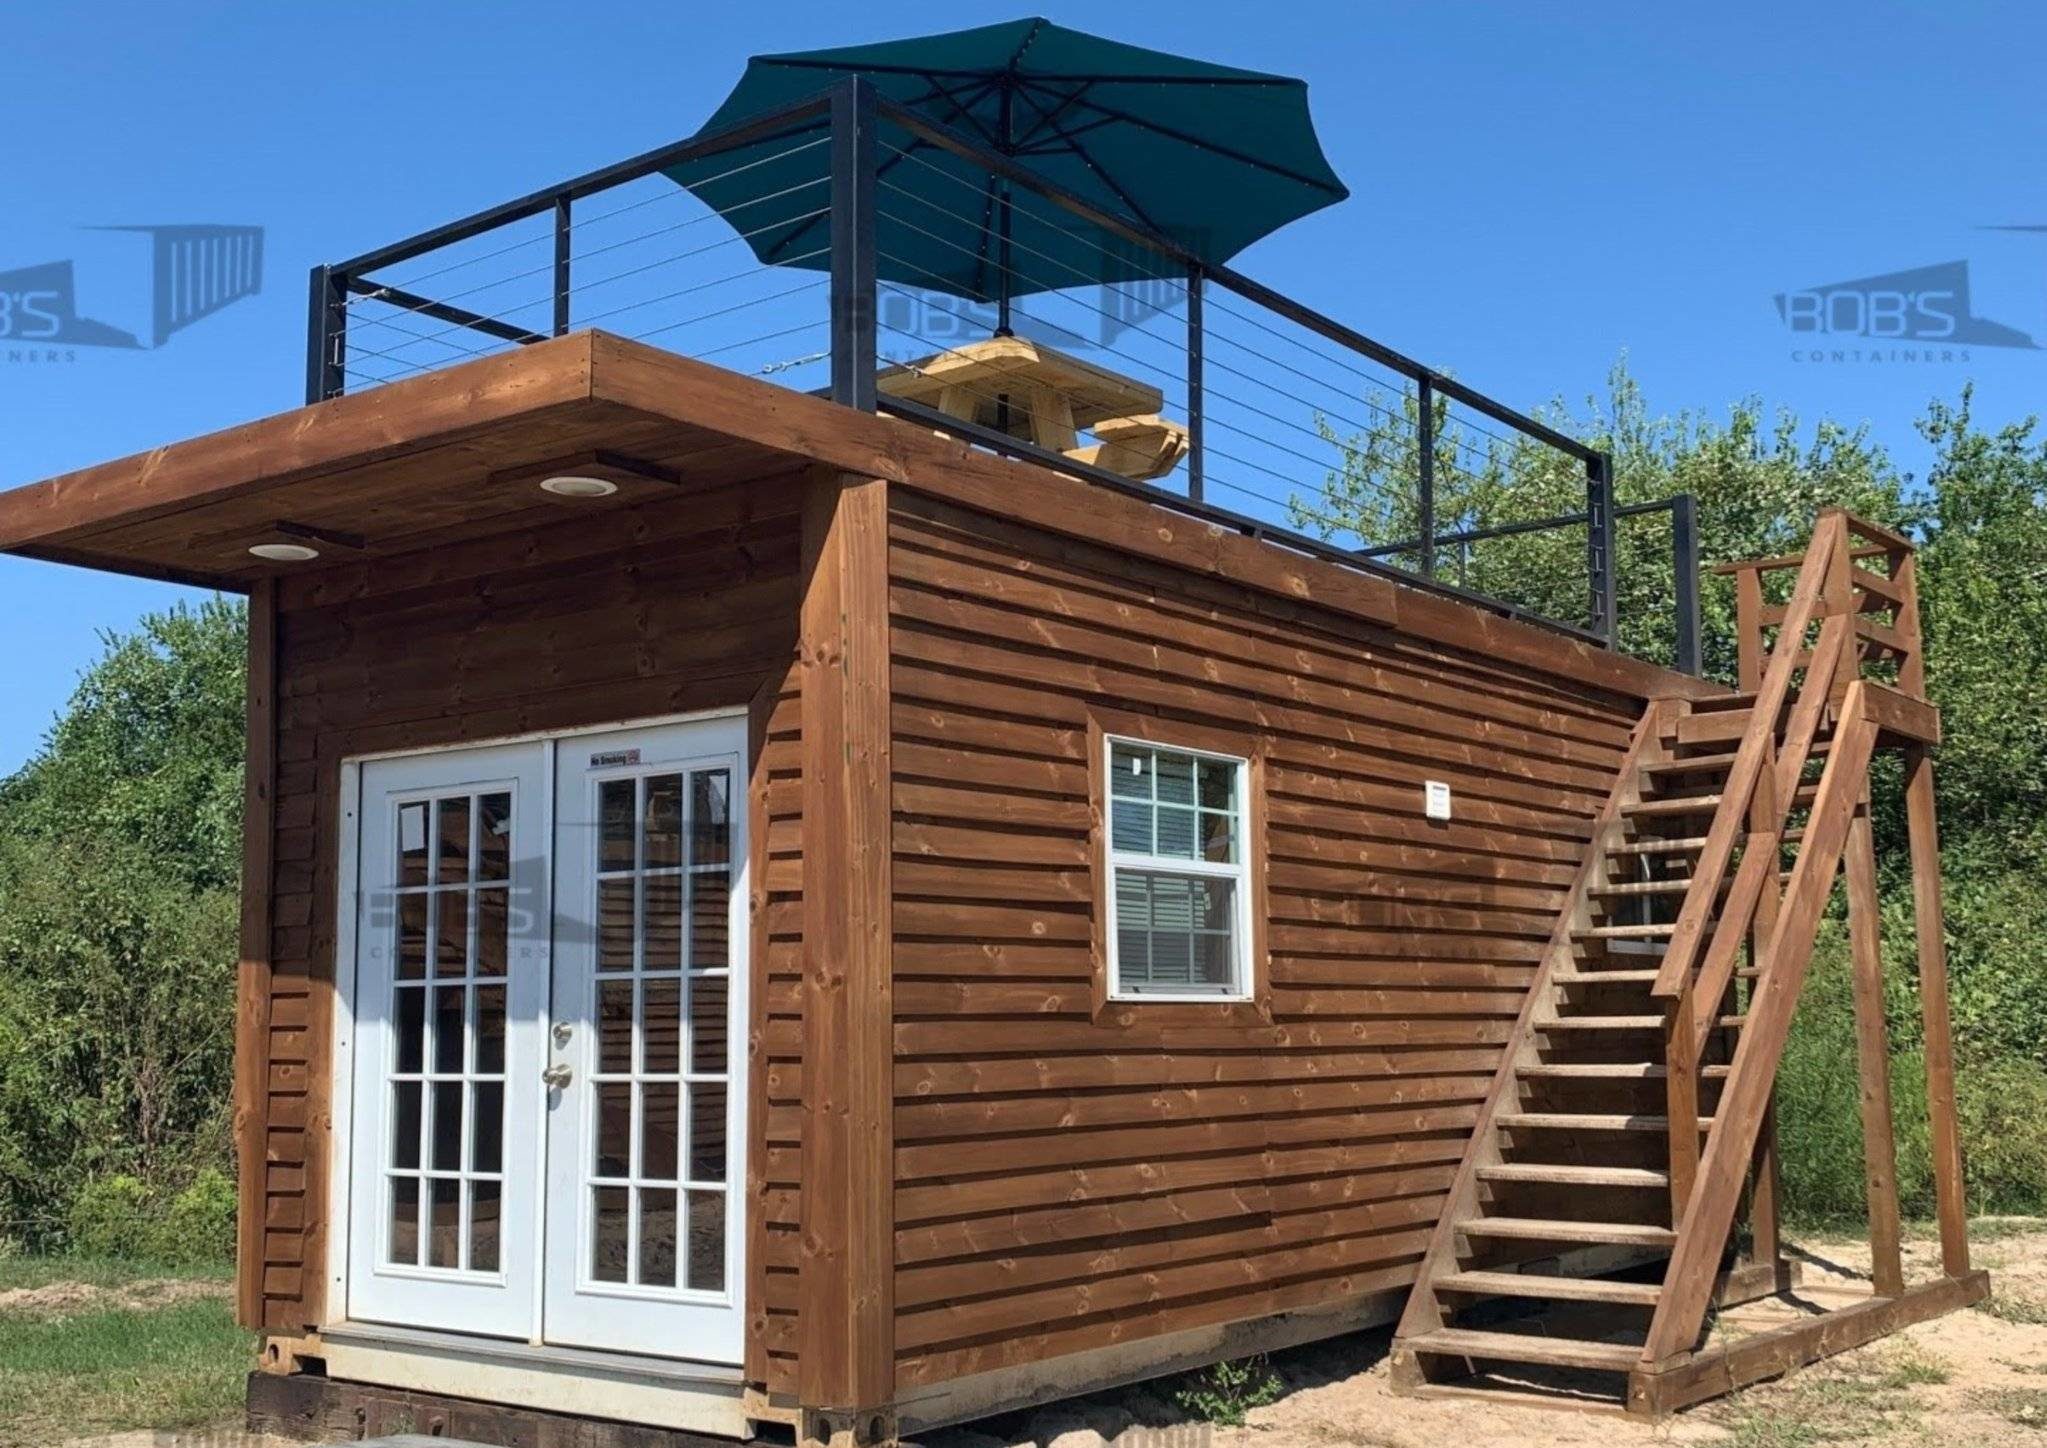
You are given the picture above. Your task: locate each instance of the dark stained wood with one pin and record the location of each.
(1703, 1232)
(1722, 1368)
(312, 1408)
(253, 1005)
(846, 1284)
(1873, 1057)
(1072, 1172)
(1949, 1183)
(602, 617)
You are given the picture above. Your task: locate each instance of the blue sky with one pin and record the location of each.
(1536, 190)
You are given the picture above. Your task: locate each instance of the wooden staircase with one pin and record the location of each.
(1593, 1224)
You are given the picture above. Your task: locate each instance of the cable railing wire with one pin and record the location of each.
(672, 194)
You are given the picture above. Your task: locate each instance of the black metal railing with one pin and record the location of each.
(838, 271)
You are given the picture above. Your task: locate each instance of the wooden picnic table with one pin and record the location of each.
(1047, 397)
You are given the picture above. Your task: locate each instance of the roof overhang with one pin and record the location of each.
(457, 454)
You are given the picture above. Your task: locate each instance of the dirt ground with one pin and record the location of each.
(69, 1297)
(1973, 1379)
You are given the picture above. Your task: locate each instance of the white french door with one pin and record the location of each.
(547, 1129)
(451, 940)
(647, 1122)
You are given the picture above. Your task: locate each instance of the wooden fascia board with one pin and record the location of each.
(343, 433)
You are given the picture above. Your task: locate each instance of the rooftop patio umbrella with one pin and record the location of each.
(1210, 156)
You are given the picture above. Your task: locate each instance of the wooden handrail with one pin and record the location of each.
(1783, 765)
(1709, 1211)
(1730, 821)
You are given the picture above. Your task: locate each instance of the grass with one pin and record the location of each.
(2026, 1407)
(104, 1368)
(1852, 1400)
(2020, 1311)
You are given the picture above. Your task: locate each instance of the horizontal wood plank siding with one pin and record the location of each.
(603, 615)
(1063, 1184)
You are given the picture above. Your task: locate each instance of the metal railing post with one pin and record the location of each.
(1684, 548)
(1196, 460)
(1425, 454)
(854, 339)
(326, 335)
(561, 266)
(1599, 561)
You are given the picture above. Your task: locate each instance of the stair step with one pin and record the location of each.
(1606, 977)
(1691, 804)
(1626, 932)
(1583, 1121)
(1563, 1352)
(1644, 887)
(1696, 764)
(1555, 1289)
(1700, 763)
(1541, 1229)
(1688, 845)
(1546, 1174)
(1625, 1023)
(1721, 703)
(1606, 1071)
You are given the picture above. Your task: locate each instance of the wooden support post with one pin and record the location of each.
(845, 1281)
(1949, 1194)
(1748, 637)
(252, 981)
(1681, 1098)
(1766, 1201)
(1872, 1041)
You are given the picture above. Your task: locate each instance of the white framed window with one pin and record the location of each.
(1178, 843)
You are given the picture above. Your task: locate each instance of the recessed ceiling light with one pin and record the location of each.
(285, 552)
(574, 486)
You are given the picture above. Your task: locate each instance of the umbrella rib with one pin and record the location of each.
(1050, 119)
(1201, 144)
(773, 253)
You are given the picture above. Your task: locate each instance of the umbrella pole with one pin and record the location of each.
(1002, 327)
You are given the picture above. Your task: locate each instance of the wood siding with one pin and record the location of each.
(601, 616)
(1067, 1179)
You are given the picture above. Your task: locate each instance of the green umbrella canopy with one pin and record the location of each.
(1208, 155)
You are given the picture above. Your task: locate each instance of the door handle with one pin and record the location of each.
(556, 1077)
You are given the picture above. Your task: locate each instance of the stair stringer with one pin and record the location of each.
(1424, 1311)
(1709, 1216)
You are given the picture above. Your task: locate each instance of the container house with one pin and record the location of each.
(833, 910)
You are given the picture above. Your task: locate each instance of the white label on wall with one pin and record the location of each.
(614, 758)
(1436, 799)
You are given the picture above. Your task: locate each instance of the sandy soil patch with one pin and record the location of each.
(1974, 1379)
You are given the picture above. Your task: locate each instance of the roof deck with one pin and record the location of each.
(788, 253)
(851, 248)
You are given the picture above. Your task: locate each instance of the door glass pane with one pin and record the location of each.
(405, 1221)
(707, 1241)
(656, 1161)
(445, 1132)
(484, 1219)
(452, 818)
(657, 1236)
(444, 1223)
(494, 837)
(451, 932)
(611, 1224)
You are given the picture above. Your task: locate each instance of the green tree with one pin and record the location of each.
(119, 862)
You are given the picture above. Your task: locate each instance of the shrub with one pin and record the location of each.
(110, 1217)
(1226, 1392)
(198, 1225)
